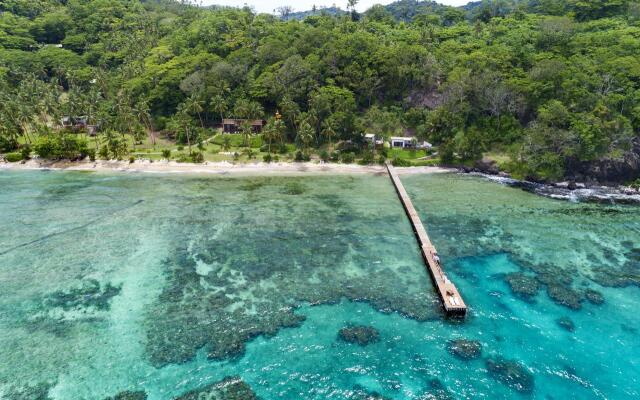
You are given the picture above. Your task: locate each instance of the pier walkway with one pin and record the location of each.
(451, 299)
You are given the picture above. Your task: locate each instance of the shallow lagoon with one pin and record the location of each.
(168, 284)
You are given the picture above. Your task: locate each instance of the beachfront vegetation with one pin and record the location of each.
(541, 84)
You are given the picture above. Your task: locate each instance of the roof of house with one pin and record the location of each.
(236, 121)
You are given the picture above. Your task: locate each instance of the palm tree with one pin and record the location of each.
(305, 135)
(183, 119)
(273, 131)
(143, 113)
(219, 105)
(193, 105)
(328, 132)
(246, 129)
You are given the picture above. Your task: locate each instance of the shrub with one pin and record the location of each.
(324, 156)
(26, 152)
(13, 157)
(267, 158)
(132, 159)
(91, 153)
(104, 152)
(197, 157)
(348, 158)
(367, 158)
(236, 156)
(58, 147)
(382, 159)
(335, 156)
(276, 158)
(180, 148)
(166, 154)
(399, 162)
(7, 144)
(301, 156)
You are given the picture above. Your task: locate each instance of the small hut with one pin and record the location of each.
(234, 125)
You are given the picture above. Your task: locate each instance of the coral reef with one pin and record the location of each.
(523, 285)
(230, 388)
(362, 335)
(436, 391)
(129, 395)
(594, 297)
(565, 296)
(566, 323)
(36, 392)
(465, 349)
(258, 273)
(89, 294)
(511, 373)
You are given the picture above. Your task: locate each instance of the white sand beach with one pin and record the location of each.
(221, 168)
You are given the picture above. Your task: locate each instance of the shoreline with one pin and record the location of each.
(214, 168)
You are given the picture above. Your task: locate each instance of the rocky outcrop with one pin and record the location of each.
(609, 171)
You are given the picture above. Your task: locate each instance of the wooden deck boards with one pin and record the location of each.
(447, 291)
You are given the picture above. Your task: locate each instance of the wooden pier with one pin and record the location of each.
(451, 299)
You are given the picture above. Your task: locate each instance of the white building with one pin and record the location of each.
(371, 138)
(406, 142)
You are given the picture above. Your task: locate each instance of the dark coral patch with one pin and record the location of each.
(565, 296)
(129, 395)
(594, 297)
(361, 335)
(90, 294)
(511, 373)
(566, 323)
(465, 349)
(437, 391)
(230, 388)
(523, 285)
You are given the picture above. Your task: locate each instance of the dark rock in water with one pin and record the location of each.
(523, 285)
(566, 323)
(565, 296)
(465, 349)
(230, 388)
(594, 297)
(594, 194)
(486, 167)
(129, 395)
(620, 169)
(511, 373)
(362, 335)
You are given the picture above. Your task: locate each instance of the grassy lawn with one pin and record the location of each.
(224, 147)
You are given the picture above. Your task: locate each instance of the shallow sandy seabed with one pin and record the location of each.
(221, 168)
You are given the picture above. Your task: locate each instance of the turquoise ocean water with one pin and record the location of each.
(166, 285)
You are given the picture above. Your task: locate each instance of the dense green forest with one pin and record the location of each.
(543, 86)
